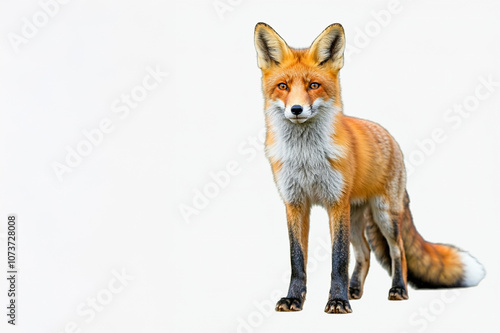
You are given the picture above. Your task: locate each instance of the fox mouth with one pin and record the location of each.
(301, 118)
(298, 120)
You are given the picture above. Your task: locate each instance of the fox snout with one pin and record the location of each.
(296, 109)
(298, 113)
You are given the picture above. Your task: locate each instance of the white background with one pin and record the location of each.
(219, 270)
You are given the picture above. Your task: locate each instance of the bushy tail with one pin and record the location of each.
(429, 265)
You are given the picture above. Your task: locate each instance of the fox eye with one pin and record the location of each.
(282, 86)
(314, 85)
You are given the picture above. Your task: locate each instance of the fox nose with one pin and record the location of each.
(296, 109)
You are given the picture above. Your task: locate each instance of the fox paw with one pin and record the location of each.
(398, 294)
(289, 304)
(355, 293)
(338, 306)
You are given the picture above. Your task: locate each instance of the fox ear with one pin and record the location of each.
(328, 47)
(271, 48)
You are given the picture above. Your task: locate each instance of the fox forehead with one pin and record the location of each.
(298, 75)
(298, 67)
(295, 74)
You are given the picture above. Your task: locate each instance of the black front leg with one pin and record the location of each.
(298, 231)
(338, 301)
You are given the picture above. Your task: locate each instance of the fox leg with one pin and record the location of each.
(389, 224)
(361, 251)
(338, 301)
(298, 232)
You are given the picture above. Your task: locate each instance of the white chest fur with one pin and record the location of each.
(305, 151)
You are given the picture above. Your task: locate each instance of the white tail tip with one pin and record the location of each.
(474, 272)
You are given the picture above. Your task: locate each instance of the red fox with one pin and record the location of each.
(353, 168)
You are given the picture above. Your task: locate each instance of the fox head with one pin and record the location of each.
(300, 82)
